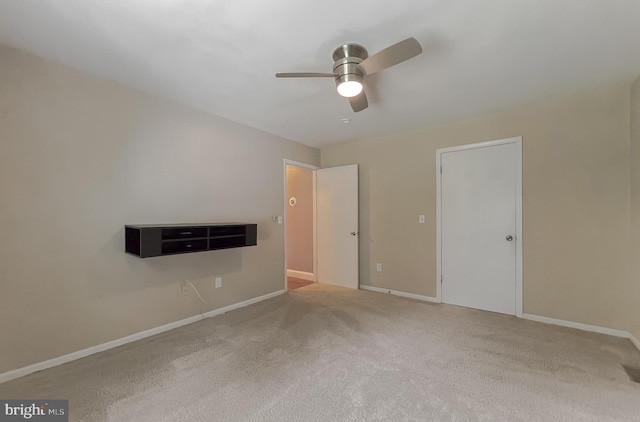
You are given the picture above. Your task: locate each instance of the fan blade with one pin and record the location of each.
(390, 56)
(306, 75)
(359, 102)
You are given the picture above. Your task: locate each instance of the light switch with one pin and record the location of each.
(279, 219)
(421, 219)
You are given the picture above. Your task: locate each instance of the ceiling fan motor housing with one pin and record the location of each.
(346, 60)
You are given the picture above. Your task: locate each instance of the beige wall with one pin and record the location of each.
(635, 207)
(300, 219)
(81, 157)
(575, 204)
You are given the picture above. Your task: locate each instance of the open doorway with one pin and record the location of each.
(300, 212)
(330, 254)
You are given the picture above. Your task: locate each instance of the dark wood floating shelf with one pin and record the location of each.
(149, 240)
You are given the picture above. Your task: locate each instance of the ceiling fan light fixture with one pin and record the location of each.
(349, 88)
(350, 84)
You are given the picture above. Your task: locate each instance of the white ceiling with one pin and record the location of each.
(221, 56)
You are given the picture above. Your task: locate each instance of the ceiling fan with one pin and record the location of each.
(352, 63)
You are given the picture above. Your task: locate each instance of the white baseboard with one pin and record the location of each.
(300, 274)
(243, 304)
(21, 372)
(399, 293)
(634, 341)
(578, 325)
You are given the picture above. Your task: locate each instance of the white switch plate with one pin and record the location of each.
(279, 219)
(378, 267)
(218, 282)
(421, 219)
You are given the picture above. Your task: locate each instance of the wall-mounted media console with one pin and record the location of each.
(150, 240)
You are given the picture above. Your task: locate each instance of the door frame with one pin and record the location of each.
(518, 236)
(288, 162)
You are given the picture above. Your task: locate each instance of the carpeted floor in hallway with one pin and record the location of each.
(295, 283)
(323, 353)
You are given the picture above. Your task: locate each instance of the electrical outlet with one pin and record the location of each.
(218, 282)
(379, 267)
(184, 289)
(421, 219)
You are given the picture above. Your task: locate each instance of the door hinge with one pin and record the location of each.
(440, 278)
(440, 169)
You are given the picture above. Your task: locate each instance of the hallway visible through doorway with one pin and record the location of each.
(299, 225)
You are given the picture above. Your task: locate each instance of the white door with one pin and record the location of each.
(478, 209)
(337, 225)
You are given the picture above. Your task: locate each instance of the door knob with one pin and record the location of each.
(353, 233)
(509, 238)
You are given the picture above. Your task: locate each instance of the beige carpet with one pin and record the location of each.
(322, 353)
